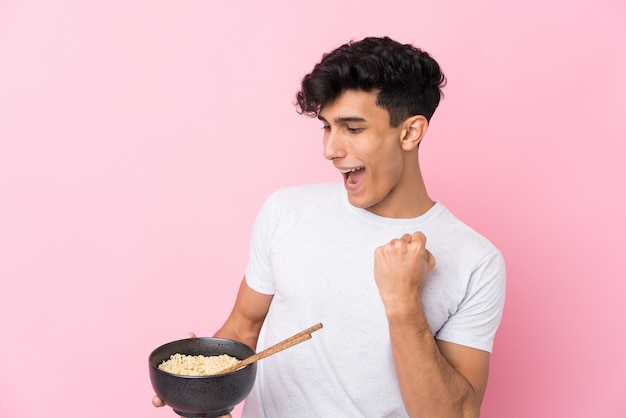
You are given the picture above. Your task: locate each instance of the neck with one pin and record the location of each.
(409, 198)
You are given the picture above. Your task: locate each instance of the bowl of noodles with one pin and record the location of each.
(185, 374)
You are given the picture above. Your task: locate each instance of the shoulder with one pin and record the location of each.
(313, 189)
(459, 238)
(451, 224)
(304, 195)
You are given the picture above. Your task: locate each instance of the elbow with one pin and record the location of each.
(466, 407)
(469, 407)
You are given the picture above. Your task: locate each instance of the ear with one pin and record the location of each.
(414, 129)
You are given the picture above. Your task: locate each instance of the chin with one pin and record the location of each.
(359, 203)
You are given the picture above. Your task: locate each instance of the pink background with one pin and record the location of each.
(139, 138)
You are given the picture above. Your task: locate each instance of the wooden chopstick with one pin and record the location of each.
(283, 345)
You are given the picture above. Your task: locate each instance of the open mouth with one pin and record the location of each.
(353, 175)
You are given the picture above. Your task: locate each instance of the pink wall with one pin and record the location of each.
(138, 139)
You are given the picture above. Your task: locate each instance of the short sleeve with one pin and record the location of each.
(478, 316)
(258, 271)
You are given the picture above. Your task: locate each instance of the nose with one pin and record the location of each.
(333, 146)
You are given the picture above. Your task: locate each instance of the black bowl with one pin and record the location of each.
(202, 396)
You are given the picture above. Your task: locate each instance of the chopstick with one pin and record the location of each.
(283, 345)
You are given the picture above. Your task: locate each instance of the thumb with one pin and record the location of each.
(430, 260)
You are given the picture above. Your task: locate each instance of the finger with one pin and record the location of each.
(191, 335)
(157, 402)
(419, 237)
(430, 260)
(404, 239)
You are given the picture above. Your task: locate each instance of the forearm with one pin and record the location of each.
(430, 386)
(247, 336)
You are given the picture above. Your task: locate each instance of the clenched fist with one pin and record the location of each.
(400, 268)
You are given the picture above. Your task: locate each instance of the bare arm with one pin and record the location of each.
(436, 378)
(245, 321)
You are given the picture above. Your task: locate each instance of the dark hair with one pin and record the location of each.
(408, 80)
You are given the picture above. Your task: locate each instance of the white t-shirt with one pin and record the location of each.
(314, 251)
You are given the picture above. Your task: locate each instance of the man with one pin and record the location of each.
(404, 335)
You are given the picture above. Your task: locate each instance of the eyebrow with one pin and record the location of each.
(344, 119)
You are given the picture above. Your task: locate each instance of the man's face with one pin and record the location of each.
(362, 145)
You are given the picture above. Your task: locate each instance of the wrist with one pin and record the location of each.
(407, 312)
(409, 326)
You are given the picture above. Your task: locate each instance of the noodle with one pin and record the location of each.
(200, 365)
